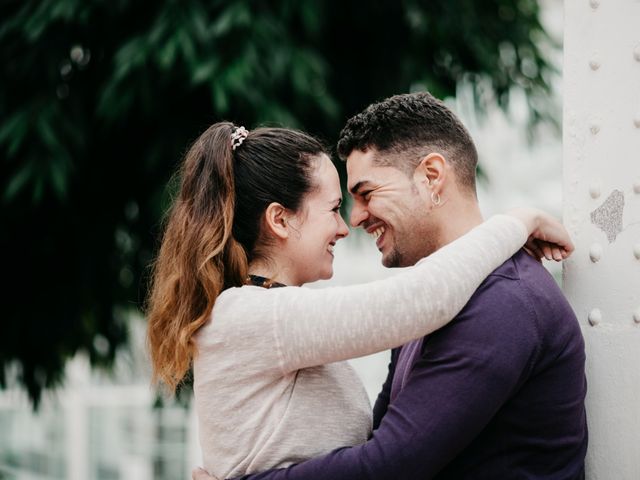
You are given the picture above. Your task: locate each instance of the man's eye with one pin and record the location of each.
(336, 209)
(366, 194)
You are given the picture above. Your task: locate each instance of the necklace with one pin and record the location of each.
(258, 281)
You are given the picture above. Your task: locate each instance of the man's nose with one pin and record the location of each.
(358, 215)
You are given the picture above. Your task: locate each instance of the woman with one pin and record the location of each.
(260, 210)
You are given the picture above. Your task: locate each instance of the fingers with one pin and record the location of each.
(569, 247)
(533, 247)
(548, 250)
(556, 253)
(200, 473)
(532, 254)
(552, 233)
(551, 239)
(552, 252)
(562, 241)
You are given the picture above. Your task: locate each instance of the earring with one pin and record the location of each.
(435, 198)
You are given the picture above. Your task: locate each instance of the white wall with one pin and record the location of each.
(602, 211)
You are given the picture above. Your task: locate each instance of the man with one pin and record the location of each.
(499, 392)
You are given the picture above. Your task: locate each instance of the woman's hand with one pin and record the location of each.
(201, 474)
(548, 238)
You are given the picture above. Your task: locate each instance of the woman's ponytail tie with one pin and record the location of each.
(237, 137)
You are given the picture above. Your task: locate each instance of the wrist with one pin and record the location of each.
(530, 217)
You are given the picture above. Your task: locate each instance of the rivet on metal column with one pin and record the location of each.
(595, 317)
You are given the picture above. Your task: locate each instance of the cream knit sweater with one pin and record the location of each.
(268, 390)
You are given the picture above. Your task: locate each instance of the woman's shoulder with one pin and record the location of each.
(244, 297)
(239, 330)
(237, 309)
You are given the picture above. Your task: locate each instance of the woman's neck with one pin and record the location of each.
(272, 271)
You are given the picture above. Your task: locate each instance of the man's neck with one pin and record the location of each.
(459, 220)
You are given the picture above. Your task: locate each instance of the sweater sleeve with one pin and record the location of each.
(319, 326)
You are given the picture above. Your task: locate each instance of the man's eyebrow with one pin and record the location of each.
(354, 190)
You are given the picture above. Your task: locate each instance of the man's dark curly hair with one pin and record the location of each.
(405, 128)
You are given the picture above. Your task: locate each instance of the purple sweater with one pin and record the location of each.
(496, 394)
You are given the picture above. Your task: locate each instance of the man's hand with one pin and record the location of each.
(200, 473)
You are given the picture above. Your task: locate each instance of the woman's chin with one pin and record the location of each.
(323, 274)
(326, 275)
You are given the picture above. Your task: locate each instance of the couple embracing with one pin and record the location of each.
(486, 379)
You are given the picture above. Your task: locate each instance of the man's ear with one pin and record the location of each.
(275, 220)
(432, 171)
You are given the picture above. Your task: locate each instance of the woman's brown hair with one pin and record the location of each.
(212, 231)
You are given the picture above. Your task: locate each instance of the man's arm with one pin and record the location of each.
(468, 370)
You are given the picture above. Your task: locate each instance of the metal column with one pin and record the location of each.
(602, 211)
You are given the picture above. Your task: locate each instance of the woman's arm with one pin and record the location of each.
(314, 327)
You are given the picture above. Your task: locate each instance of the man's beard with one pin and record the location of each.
(393, 260)
(398, 259)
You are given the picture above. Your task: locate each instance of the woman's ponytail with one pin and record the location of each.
(198, 257)
(213, 230)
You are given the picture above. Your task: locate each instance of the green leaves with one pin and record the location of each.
(101, 99)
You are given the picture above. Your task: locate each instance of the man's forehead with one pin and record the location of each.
(360, 167)
(368, 169)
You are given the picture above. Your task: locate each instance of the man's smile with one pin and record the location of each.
(377, 230)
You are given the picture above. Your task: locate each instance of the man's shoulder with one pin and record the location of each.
(519, 300)
(521, 281)
(506, 290)
(517, 313)
(521, 267)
